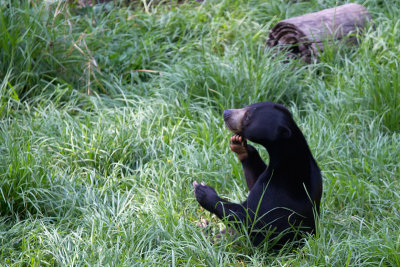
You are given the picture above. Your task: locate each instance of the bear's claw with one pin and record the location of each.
(238, 145)
(205, 195)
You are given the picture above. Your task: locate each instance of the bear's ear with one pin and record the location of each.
(284, 132)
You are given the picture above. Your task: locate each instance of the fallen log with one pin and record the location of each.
(304, 36)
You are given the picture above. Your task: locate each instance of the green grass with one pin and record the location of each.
(109, 113)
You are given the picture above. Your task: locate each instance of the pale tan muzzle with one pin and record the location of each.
(233, 119)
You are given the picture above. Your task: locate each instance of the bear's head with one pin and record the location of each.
(263, 123)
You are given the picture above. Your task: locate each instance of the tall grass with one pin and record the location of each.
(108, 113)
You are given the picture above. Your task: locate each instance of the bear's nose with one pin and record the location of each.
(227, 113)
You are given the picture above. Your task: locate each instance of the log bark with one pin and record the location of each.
(304, 36)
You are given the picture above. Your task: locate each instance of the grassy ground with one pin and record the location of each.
(108, 114)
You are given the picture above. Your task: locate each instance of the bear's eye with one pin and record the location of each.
(247, 117)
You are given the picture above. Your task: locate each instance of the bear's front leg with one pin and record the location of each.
(206, 196)
(209, 199)
(238, 145)
(253, 165)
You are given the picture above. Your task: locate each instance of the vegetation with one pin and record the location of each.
(108, 113)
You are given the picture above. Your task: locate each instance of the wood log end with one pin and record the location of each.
(304, 35)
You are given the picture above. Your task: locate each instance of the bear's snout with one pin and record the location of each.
(227, 114)
(233, 119)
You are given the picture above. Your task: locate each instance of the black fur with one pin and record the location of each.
(284, 195)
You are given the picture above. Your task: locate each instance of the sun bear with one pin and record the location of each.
(284, 196)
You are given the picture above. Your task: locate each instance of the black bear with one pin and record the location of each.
(284, 195)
